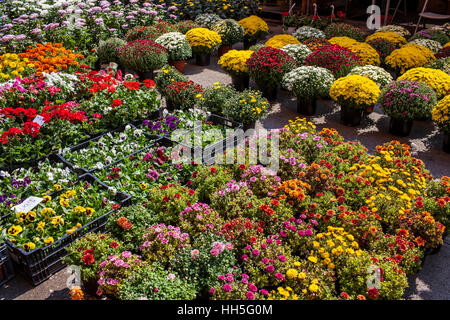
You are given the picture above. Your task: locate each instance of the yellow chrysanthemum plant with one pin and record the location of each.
(203, 41)
(436, 79)
(234, 62)
(441, 115)
(280, 40)
(354, 93)
(254, 28)
(408, 57)
(342, 41)
(392, 37)
(368, 55)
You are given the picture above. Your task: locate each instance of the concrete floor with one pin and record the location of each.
(432, 282)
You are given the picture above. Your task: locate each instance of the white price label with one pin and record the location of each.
(39, 120)
(28, 204)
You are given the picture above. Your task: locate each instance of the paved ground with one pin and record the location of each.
(433, 282)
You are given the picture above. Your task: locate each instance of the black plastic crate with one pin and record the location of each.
(6, 265)
(53, 158)
(209, 152)
(82, 171)
(40, 264)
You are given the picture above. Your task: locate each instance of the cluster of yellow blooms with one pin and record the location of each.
(447, 45)
(203, 38)
(392, 37)
(280, 40)
(11, 66)
(343, 41)
(390, 179)
(409, 56)
(365, 51)
(332, 246)
(34, 224)
(436, 79)
(441, 114)
(300, 125)
(253, 25)
(354, 90)
(283, 294)
(235, 61)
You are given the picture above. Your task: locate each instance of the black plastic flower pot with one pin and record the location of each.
(203, 59)
(270, 93)
(240, 83)
(250, 125)
(248, 44)
(446, 144)
(170, 106)
(149, 75)
(306, 107)
(400, 127)
(351, 117)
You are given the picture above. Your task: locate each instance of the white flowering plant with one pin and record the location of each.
(428, 43)
(297, 51)
(397, 29)
(207, 20)
(176, 45)
(308, 82)
(229, 30)
(107, 149)
(306, 32)
(378, 75)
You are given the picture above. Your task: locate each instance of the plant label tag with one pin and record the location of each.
(39, 120)
(28, 204)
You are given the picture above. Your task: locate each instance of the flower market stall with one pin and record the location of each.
(112, 152)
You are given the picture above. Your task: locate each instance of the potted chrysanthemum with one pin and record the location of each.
(354, 93)
(308, 83)
(177, 47)
(267, 66)
(230, 32)
(234, 62)
(404, 102)
(441, 115)
(203, 42)
(254, 29)
(143, 56)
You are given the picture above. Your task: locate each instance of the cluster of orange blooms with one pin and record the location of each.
(293, 191)
(51, 57)
(445, 182)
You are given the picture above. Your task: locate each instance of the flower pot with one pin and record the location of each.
(446, 144)
(203, 59)
(170, 106)
(350, 116)
(288, 30)
(435, 250)
(178, 64)
(149, 75)
(369, 109)
(248, 44)
(90, 287)
(240, 83)
(247, 126)
(306, 107)
(223, 49)
(425, 118)
(400, 127)
(270, 93)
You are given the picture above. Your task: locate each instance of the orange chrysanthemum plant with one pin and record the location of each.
(52, 57)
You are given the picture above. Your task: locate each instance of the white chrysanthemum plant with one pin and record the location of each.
(297, 52)
(306, 32)
(378, 75)
(433, 45)
(176, 45)
(308, 82)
